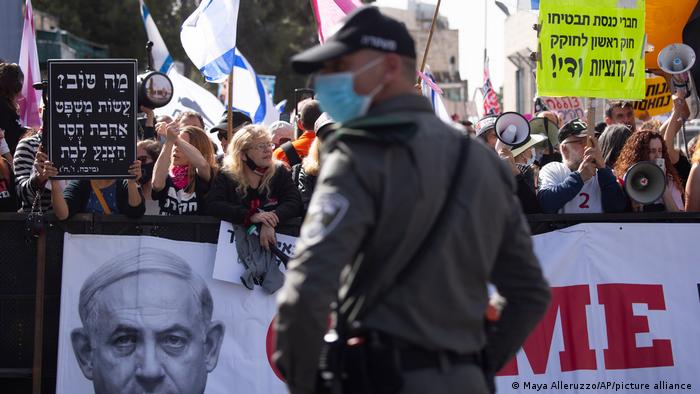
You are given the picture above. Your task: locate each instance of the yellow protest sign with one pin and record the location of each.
(591, 48)
(657, 101)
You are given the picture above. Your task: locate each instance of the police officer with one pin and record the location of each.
(393, 176)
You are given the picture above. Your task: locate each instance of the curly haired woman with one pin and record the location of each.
(647, 145)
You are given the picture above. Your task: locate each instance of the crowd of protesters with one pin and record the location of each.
(265, 176)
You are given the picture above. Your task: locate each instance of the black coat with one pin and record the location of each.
(9, 121)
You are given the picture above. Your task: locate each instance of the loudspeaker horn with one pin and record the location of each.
(512, 128)
(545, 127)
(645, 182)
(677, 59)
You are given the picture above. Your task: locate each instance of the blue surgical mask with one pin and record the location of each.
(336, 94)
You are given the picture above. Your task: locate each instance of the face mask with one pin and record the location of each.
(336, 94)
(254, 167)
(146, 173)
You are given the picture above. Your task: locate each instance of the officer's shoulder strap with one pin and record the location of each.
(291, 152)
(386, 129)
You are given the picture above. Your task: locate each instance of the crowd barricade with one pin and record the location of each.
(28, 329)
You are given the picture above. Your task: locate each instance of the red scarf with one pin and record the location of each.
(180, 176)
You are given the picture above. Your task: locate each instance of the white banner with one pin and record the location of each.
(624, 315)
(145, 325)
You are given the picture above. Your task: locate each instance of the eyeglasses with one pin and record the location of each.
(263, 147)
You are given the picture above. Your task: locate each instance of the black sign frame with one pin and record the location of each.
(117, 157)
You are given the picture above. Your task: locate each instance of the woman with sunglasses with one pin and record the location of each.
(254, 189)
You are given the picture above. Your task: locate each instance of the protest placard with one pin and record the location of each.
(567, 108)
(591, 48)
(658, 98)
(92, 116)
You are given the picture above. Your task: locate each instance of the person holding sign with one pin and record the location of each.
(582, 183)
(253, 188)
(103, 196)
(184, 170)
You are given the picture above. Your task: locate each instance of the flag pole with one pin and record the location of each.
(229, 133)
(430, 39)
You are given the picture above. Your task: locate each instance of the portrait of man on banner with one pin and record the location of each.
(147, 326)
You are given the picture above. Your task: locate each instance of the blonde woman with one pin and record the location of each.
(252, 187)
(183, 171)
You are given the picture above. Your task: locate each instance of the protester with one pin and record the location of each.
(30, 177)
(692, 188)
(621, 112)
(189, 118)
(148, 131)
(647, 145)
(306, 173)
(486, 130)
(4, 148)
(692, 145)
(282, 132)
(147, 152)
(183, 171)
(11, 80)
(293, 152)
(611, 142)
(469, 126)
(102, 196)
(670, 129)
(549, 152)
(8, 195)
(253, 188)
(238, 120)
(581, 183)
(520, 161)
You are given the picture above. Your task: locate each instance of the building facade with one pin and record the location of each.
(519, 85)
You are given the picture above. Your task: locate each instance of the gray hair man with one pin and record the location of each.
(147, 326)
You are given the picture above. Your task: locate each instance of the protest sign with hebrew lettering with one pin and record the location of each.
(658, 98)
(567, 108)
(591, 48)
(92, 117)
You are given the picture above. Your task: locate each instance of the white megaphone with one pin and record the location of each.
(512, 128)
(677, 59)
(645, 182)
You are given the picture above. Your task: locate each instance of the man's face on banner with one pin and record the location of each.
(148, 336)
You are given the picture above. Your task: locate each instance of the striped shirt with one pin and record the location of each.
(23, 164)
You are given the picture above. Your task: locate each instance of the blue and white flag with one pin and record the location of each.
(187, 95)
(249, 94)
(162, 61)
(209, 38)
(434, 94)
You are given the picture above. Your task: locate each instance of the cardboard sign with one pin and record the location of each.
(92, 117)
(658, 98)
(591, 48)
(567, 108)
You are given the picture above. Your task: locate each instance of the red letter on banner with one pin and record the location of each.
(622, 325)
(570, 303)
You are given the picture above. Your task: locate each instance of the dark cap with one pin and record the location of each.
(237, 119)
(363, 28)
(573, 128)
(485, 124)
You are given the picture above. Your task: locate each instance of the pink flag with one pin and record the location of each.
(329, 13)
(491, 106)
(29, 63)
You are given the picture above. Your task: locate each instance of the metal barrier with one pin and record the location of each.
(30, 281)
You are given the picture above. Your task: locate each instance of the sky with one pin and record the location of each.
(468, 17)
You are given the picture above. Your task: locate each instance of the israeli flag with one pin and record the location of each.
(249, 94)
(162, 61)
(209, 38)
(433, 93)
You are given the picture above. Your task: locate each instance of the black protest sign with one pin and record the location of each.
(92, 117)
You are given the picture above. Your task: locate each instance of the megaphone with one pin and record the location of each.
(677, 59)
(547, 128)
(512, 128)
(645, 182)
(155, 89)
